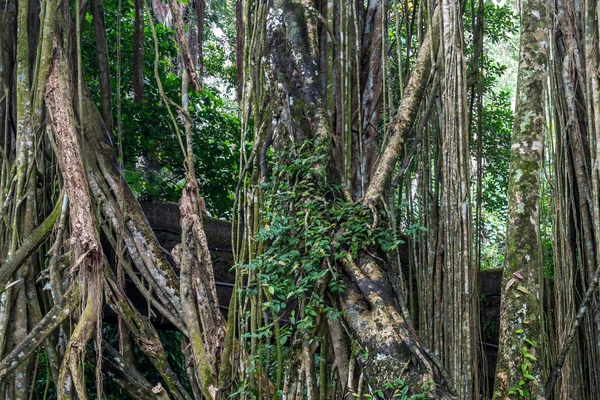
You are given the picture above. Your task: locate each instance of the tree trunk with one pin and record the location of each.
(388, 348)
(519, 368)
(460, 289)
(575, 109)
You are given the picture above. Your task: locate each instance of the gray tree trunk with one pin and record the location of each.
(519, 370)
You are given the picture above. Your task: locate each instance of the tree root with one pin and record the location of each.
(52, 320)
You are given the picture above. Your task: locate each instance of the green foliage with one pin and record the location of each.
(398, 390)
(497, 128)
(152, 156)
(498, 68)
(43, 388)
(154, 161)
(220, 66)
(303, 215)
(494, 240)
(307, 228)
(502, 42)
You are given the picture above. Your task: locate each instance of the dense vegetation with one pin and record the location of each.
(372, 158)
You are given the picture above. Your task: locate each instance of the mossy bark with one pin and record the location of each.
(299, 115)
(126, 375)
(144, 334)
(14, 330)
(519, 369)
(31, 244)
(52, 320)
(576, 115)
(199, 298)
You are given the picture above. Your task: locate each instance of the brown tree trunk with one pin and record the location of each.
(370, 308)
(460, 293)
(575, 110)
(87, 251)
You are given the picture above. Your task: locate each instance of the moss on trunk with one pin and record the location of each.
(519, 370)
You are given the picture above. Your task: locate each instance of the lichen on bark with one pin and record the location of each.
(519, 369)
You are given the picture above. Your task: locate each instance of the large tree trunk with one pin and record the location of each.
(576, 107)
(14, 310)
(90, 176)
(519, 368)
(459, 308)
(376, 317)
(321, 303)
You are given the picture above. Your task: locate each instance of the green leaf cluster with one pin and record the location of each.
(152, 157)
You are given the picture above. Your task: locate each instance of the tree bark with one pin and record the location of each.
(87, 248)
(403, 121)
(460, 290)
(521, 339)
(370, 308)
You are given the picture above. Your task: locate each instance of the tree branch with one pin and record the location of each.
(184, 46)
(402, 123)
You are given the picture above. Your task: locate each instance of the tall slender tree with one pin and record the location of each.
(460, 292)
(519, 368)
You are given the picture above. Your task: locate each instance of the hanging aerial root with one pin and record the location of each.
(570, 336)
(121, 208)
(126, 375)
(73, 361)
(144, 334)
(402, 123)
(198, 294)
(52, 320)
(53, 272)
(31, 244)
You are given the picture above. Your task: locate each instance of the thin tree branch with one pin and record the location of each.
(184, 46)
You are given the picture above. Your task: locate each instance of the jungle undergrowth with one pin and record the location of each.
(307, 227)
